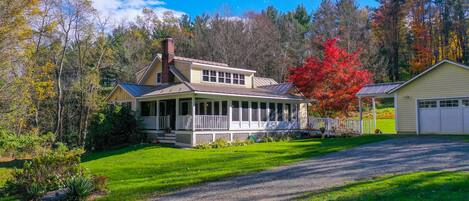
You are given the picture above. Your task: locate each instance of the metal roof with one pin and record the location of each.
(281, 88)
(137, 90)
(263, 81)
(242, 91)
(381, 89)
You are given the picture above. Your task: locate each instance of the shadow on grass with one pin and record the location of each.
(415, 186)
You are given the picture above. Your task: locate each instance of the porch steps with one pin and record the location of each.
(167, 138)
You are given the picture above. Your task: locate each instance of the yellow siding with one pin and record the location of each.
(184, 68)
(120, 95)
(303, 115)
(151, 76)
(446, 80)
(197, 77)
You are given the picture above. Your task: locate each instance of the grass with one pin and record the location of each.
(138, 172)
(429, 186)
(387, 126)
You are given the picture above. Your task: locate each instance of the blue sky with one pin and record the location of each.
(239, 7)
(127, 10)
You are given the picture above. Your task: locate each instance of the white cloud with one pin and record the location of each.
(127, 10)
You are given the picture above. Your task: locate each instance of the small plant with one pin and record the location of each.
(203, 146)
(79, 188)
(220, 143)
(100, 183)
(267, 139)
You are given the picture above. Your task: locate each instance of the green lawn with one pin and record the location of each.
(387, 126)
(428, 186)
(135, 173)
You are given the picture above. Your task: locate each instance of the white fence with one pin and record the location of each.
(334, 126)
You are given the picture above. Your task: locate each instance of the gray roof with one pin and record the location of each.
(281, 88)
(381, 89)
(184, 87)
(263, 81)
(242, 91)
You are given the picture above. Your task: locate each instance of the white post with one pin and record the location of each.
(360, 109)
(177, 113)
(374, 111)
(258, 114)
(249, 113)
(193, 113)
(230, 113)
(157, 115)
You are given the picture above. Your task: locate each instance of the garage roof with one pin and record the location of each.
(378, 90)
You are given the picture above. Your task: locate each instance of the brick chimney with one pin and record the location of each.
(168, 58)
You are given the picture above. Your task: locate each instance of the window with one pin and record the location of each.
(221, 77)
(245, 110)
(209, 108)
(184, 108)
(254, 111)
(241, 79)
(224, 108)
(216, 108)
(235, 110)
(228, 78)
(465, 102)
(271, 111)
(235, 78)
(449, 103)
(279, 111)
(294, 111)
(145, 109)
(288, 106)
(205, 75)
(263, 112)
(201, 108)
(158, 78)
(427, 104)
(213, 76)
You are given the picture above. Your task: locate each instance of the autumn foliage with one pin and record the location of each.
(332, 80)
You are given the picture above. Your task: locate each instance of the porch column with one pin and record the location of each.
(177, 114)
(361, 114)
(230, 113)
(157, 114)
(374, 111)
(193, 113)
(249, 113)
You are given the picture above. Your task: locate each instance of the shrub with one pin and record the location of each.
(100, 183)
(24, 145)
(113, 126)
(79, 188)
(220, 143)
(44, 173)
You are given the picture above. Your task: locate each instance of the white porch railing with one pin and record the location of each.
(184, 122)
(334, 126)
(149, 122)
(203, 122)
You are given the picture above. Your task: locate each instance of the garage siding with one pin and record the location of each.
(446, 80)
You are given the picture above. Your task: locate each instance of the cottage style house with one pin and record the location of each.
(189, 101)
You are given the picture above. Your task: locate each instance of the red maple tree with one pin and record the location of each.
(332, 80)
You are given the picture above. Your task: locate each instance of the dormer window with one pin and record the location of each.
(205, 75)
(235, 78)
(241, 79)
(228, 78)
(221, 77)
(213, 76)
(158, 77)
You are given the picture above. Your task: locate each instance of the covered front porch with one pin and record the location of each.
(216, 113)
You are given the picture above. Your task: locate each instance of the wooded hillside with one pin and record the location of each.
(59, 58)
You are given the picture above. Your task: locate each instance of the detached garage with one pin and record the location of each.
(433, 102)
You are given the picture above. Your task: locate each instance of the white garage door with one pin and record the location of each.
(444, 116)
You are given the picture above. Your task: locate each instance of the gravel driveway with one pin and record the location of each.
(392, 156)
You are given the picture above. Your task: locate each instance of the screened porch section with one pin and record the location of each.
(209, 114)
